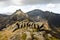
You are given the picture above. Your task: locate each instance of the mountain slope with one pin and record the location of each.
(18, 21)
(52, 18)
(3, 19)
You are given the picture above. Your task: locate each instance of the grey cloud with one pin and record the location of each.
(40, 1)
(29, 2)
(4, 0)
(35, 1)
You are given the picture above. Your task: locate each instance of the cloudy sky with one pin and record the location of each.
(10, 6)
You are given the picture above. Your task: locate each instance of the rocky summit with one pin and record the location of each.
(33, 25)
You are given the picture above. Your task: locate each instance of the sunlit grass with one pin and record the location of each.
(5, 35)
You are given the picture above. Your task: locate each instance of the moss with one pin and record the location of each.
(51, 38)
(35, 38)
(24, 36)
(3, 37)
(34, 30)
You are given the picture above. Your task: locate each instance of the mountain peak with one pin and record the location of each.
(18, 12)
(37, 10)
(18, 15)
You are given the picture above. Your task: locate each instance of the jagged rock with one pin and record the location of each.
(25, 26)
(38, 36)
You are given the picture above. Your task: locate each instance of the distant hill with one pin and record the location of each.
(52, 18)
(3, 19)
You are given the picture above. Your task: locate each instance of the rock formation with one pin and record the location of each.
(33, 25)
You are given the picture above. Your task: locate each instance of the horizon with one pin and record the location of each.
(10, 13)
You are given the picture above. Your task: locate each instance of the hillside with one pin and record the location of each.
(33, 25)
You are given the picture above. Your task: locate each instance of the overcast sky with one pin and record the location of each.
(9, 6)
